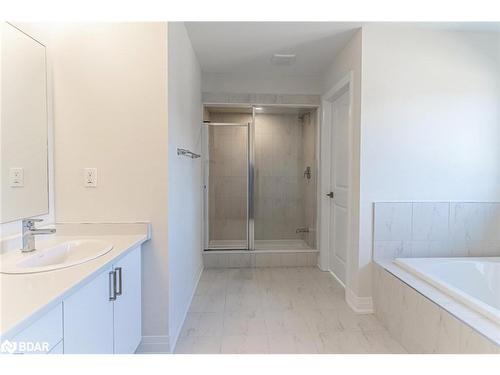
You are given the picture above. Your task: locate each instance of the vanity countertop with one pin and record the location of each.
(26, 297)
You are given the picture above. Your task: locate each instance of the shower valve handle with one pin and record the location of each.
(330, 194)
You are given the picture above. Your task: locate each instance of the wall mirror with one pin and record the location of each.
(23, 126)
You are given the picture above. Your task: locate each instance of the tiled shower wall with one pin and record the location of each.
(284, 147)
(309, 185)
(436, 229)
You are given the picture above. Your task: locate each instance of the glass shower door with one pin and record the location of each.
(227, 186)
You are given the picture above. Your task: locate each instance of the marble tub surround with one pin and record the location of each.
(474, 282)
(425, 320)
(26, 297)
(277, 310)
(436, 229)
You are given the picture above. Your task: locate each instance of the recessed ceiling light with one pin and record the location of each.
(258, 108)
(283, 59)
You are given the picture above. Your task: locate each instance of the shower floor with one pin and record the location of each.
(285, 245)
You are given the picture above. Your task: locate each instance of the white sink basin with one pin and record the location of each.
(65, 254)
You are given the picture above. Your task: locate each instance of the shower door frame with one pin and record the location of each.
(250, 183)
(251, 175)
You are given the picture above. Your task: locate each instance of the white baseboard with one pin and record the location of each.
(361, 305)
(154, 345)
(177, 334)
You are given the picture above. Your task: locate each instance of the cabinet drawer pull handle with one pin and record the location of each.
(118, 271)
(112, 285)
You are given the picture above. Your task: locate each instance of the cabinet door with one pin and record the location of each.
(42, 335)
(127, 309)
(88, 318)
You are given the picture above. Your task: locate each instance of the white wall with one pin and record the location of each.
(110, 110)
(348, 60)
(184, 175)
(430, 121)
(261, 83)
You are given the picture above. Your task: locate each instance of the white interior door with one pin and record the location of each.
(339, 182)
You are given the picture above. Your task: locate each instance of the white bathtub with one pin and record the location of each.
(474, 282)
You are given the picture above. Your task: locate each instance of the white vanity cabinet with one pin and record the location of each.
(104, 316)
(101, 317)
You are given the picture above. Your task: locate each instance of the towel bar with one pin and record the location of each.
(189, 154)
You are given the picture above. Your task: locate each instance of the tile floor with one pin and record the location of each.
(277, 310)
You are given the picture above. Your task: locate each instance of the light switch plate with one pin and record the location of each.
(16, 177)
(90, 177)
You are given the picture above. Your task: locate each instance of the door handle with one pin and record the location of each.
(330, 194)
(112, 285)
(118, 272)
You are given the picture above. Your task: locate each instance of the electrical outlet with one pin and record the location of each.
(90, 177)
(16, 177)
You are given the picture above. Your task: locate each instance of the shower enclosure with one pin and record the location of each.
(260, 178)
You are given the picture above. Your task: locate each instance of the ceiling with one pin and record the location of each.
(236, 47)
(247, 47)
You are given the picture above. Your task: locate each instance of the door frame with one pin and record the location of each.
(327, 99)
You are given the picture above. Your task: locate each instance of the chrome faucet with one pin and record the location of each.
(29, 233)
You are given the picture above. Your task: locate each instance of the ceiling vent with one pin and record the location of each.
(282, 59)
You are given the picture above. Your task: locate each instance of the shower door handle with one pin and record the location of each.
(330, 194)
